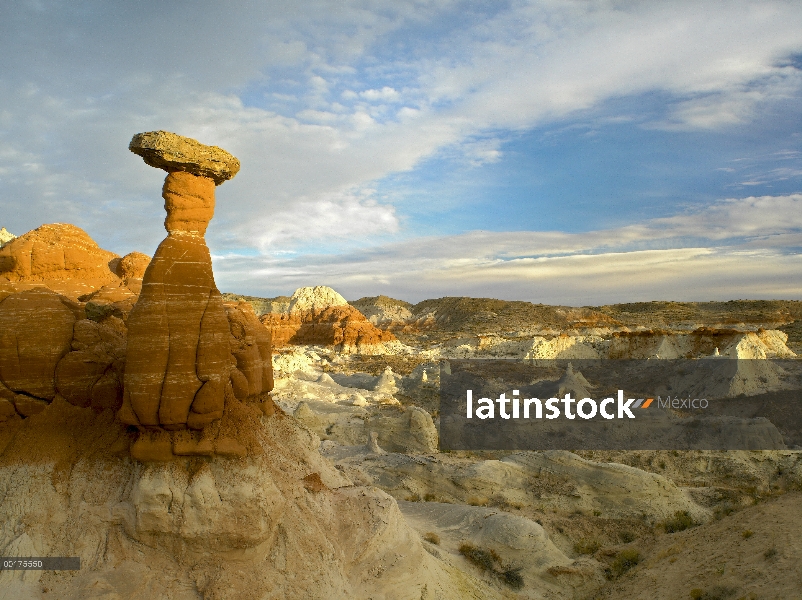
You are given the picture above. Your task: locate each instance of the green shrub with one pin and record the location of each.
(488, 560)
(626, 536)
(585, 546)
(681, 521)
(432, 538)
(625, 560)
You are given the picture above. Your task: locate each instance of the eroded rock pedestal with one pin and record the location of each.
(183, 364)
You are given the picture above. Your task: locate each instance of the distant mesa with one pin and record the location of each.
(173, 153)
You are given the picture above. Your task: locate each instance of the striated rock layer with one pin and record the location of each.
(188, 356)
(320, 316)
(341, 326)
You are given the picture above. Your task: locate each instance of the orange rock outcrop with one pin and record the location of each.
(252, 373)
(36, 331)
(342, 326)
(60, 256)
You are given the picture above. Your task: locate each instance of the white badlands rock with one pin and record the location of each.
(5, 236)
(315, 298)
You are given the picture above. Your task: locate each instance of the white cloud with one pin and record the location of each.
(386, 94)
(339, 219)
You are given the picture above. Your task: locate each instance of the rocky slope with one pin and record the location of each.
(281, 523)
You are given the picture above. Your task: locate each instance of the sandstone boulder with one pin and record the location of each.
(173, 153)
(91, 374)
(251, 348)
(113, 299)
(132, 266)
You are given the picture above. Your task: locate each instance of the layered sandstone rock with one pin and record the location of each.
(281, 523)
(252, 373)
(118, 297)
(132, 266)
(115, 299)
(60, 256)
(340, 326)
(178, 333)
(91, 374)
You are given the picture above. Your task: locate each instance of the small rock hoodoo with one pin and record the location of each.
(185, 358)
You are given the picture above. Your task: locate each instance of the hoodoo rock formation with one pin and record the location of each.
(180, 369)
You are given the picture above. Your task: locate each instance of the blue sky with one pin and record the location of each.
(573, 152)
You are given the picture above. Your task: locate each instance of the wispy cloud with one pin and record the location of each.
(728, 250)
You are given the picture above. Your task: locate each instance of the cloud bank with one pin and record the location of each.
(726, 251)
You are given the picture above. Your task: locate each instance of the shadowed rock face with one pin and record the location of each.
(252, 352)
(178, 360)
(36, 329)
